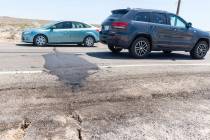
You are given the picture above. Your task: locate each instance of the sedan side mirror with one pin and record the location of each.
(189, 25)
(52, 27)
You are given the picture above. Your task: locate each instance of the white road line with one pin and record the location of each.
(20, 72)
(153, 65)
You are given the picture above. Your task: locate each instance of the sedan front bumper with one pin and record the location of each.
(27, 38)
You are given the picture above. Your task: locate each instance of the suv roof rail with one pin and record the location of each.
(149, 10)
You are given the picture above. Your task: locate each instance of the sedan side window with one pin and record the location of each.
(78, 25)
(176, 22)
(67, 25)
(64, 25)
(159, 18)
(59, 26)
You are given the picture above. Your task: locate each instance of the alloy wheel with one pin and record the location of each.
(142, 48)
(89, 41)
(202, 50)
(40, 40)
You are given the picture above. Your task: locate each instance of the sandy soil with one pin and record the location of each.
(11, 28)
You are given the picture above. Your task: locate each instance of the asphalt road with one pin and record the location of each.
(73, 92)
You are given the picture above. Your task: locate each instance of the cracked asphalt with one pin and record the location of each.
(68, 92)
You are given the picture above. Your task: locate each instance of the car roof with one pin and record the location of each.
(149, 10)
(69, 21)
(73, 21)
(142, 10)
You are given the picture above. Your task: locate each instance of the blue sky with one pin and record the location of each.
(95, 11)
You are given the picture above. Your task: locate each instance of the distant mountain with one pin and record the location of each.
(4, 19)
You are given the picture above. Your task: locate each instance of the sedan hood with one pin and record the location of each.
(32, 29)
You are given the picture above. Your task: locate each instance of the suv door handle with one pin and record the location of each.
(173, 29)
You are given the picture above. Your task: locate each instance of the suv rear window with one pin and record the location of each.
(116, 14)
(159, 18)
(144, 17)
(120, 11)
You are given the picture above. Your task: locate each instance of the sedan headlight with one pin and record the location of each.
(27, 32)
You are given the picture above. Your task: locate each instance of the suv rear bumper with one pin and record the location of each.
(115, 39)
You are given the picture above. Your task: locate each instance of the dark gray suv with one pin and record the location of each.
(142, 31)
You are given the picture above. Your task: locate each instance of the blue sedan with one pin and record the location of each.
(65, 32)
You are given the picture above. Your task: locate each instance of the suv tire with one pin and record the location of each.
(140, 48)
(114, 49)
(200, 50)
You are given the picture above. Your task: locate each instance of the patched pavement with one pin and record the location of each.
(74, 92)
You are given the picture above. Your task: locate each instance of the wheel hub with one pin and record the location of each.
(40, 40)
(89, 41)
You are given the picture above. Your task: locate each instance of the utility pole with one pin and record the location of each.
(178, 7)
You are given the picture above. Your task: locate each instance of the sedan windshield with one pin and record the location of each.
(49, 24)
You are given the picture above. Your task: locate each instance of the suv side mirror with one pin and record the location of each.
(189, 25)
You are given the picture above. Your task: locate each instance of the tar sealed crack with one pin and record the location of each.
(79, 134)
(76, 116)
(25, 124)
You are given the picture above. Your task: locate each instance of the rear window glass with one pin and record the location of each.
(116, 14)
(120, 12)
(144, 17)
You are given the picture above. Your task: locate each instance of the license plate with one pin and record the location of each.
(106, 28)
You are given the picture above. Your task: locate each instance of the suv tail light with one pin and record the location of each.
(120, 25)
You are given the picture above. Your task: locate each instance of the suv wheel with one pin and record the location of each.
(200, 50)
(167, 52)
(140, 48)
(40, 40)
(114, 49)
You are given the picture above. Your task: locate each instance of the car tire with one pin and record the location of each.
(114, 49)
(140, 48)
(89, 41)
(200, 50)
(40, 40)
(167, 52)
